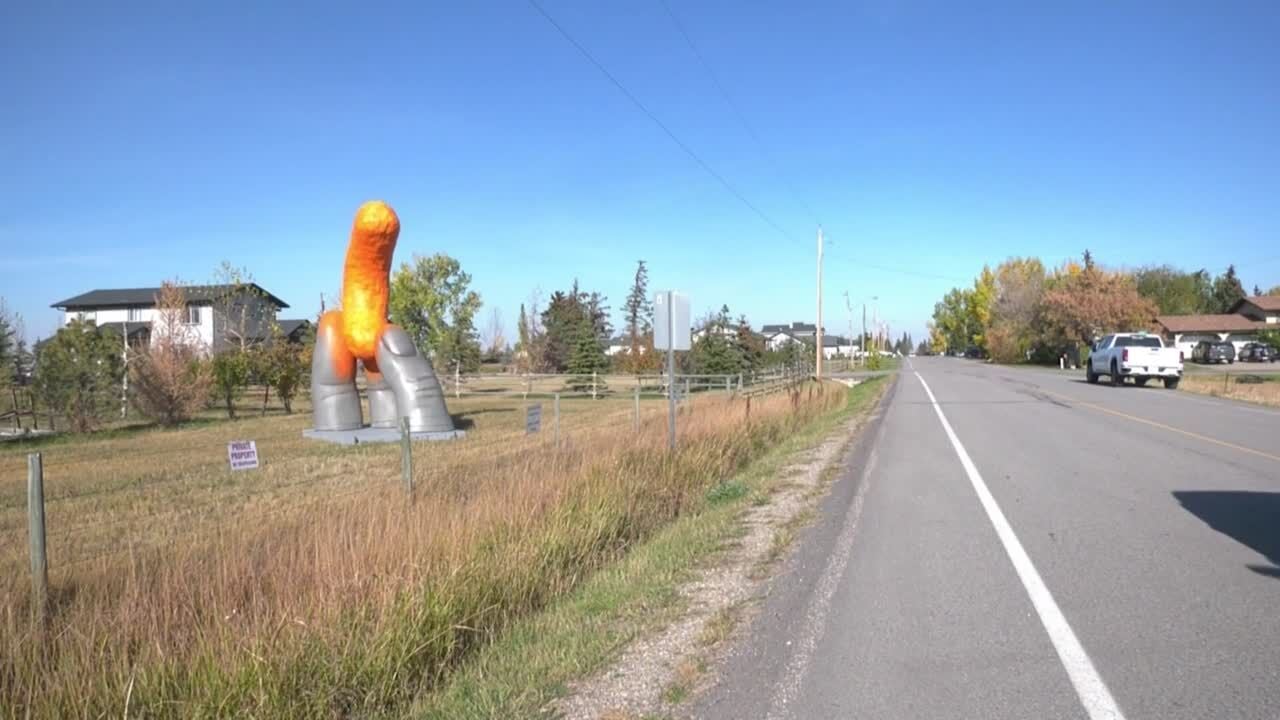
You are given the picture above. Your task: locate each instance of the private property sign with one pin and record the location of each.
(243, 454)
(532, 419)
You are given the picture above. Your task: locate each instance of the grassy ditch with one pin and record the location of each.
(357, 603)
(531, 664)
(1228, 385)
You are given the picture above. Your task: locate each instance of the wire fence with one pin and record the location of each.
(133, 490)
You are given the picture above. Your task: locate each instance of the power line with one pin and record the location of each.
(899, 270)
(656, 121)
(737, 111)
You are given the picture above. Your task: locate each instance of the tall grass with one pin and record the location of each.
(355, 606)
(1266, 392)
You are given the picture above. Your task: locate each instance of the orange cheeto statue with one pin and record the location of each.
(399, 379)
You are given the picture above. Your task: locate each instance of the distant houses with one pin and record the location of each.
(131, 312)
(1239, 326)
(778, 337)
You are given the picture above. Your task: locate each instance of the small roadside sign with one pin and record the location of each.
(532, 419)
(243, 454)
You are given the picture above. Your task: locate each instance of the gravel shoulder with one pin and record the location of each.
(658, 673)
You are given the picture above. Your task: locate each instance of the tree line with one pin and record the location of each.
(81, 370)
(1023, 311)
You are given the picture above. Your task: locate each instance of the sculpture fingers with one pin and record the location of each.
(335, 400)
(417, 390)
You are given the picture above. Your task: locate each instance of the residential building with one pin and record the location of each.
(132, 313)
(1262, 308)
(1240, 326)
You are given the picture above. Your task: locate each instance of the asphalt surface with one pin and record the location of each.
(1135, 576)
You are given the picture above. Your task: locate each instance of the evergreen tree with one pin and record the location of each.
(717, 352)
(1227, 290)
(588, 361)
(80, 372)
(562, 320)
(8, 341)
(22, 363)
(750, 345)
(639, 309)
(522, 343)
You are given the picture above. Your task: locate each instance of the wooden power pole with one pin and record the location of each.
(818, 331)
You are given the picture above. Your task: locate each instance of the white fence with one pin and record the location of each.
(597, 385)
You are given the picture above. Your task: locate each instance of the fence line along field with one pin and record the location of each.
(311, 586)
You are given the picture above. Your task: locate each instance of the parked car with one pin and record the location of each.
(1257, 352)
(1213, 351)
(1140, 356)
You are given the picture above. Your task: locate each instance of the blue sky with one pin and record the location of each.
(146, 142)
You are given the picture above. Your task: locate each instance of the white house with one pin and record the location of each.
(131, 312)
(835, 345)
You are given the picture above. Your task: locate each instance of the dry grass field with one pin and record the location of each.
(1228, 385)
(311, 587)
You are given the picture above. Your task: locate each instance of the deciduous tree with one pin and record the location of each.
(1176, 292)
(1013, 331)
(431, 298)
(170, 382)
(283, 366)
(1083, 305)
(232, 371)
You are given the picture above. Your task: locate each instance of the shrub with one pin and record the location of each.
(170, 382)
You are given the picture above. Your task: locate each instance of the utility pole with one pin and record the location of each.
(818, 332)
(671, 372)
(124, 382)
(862, 341)
(848, 306)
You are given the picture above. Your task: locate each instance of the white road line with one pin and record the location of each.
(1093, 692)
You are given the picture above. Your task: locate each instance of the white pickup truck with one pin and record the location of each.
(1140, 356)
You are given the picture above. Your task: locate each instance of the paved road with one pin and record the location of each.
(1100, 552)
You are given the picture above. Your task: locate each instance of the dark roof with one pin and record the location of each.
(1208, 323)
(795, 327)
(834, 340)
(1268, 303)
(289, 327)
(135, 328)
(146, 297)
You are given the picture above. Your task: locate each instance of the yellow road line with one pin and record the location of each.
(1162, 426)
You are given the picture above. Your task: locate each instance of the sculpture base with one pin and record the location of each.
(363, 435)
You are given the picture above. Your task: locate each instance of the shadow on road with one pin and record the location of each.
(1250, 518)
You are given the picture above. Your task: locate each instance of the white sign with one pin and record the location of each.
(671, 318)
(243, 454)
(532, 419)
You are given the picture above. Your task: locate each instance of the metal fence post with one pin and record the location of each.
(593, 384)
(35, 526)
(728, 387)
(739, 382)
(457, 378)
(686, 390)
(406, 456)
(557, 407)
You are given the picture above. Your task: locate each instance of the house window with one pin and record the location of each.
(193, 315)
(135, 314)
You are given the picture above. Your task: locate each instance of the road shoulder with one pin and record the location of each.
(548, 664)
